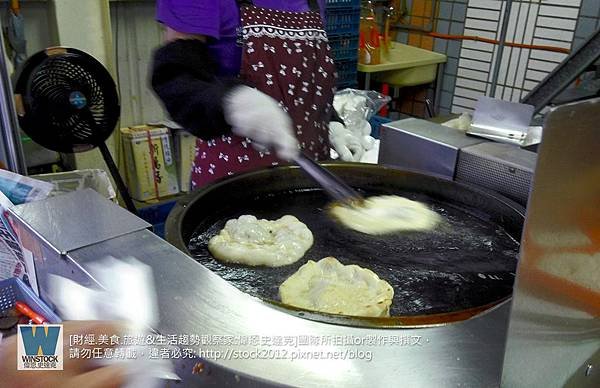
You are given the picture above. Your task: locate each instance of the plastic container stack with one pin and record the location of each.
(343, 19)
(376, 123)
(13, 290)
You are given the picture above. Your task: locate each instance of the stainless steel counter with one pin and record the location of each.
(193, 300)
(554, 336)
(551, 343)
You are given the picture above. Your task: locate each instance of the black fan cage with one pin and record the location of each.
(69, 100)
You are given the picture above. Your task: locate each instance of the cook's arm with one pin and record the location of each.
(184, 77)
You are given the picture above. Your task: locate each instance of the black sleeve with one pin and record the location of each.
(184, 77)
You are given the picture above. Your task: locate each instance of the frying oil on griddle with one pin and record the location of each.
(465, 262)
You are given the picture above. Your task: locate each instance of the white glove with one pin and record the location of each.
(368, 142)
(345, 143)
(365, 128)
(257, 116)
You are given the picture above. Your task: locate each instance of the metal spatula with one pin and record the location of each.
(332, 184)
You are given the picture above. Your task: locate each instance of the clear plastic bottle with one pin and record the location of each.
(364, 57)
(374, 47)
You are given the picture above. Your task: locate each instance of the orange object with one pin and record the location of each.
(374, 47)
(15, 7)
(363, 55)
(555, 288)
(375, 38)
(29, 313)
(493, 41)
(365, 24)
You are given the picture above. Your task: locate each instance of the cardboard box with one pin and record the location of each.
(151, 166)
(185, 152)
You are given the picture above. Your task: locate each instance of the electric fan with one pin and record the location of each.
(67, 102)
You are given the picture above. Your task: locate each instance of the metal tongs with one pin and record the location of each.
(335, 187)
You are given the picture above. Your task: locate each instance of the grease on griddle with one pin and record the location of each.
(431, 272)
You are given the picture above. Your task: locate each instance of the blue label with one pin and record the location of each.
(77, 99)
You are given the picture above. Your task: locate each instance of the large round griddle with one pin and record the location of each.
(461, 268)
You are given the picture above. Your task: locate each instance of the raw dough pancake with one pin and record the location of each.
(251, 241)
(386, 214)
(331, 287)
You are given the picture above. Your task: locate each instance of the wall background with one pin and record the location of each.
(466, 74)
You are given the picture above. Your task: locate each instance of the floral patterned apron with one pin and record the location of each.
(287, 56)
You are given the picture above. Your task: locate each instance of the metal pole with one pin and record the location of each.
(438, 88)
(502, 39)
(10, 143)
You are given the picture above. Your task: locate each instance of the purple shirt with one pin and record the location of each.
(218, 19)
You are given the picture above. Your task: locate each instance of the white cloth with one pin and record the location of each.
(372, 156)
(345, 143)
(129, 296)
(350, 144)
(369, 157)
(462, 123)
(259, 117)
(352, 140)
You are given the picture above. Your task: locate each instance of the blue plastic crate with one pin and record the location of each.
(344, 48)
(346, 73)
(342, 21)
(346, 85)
(376, 122)
(157, 215)
(342, 3)
(14, 290)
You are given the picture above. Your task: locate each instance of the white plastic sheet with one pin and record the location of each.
(129, 296)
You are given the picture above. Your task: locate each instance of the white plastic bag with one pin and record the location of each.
(355, 108)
